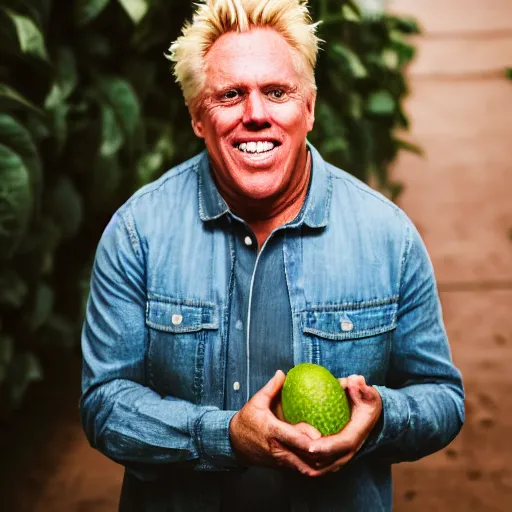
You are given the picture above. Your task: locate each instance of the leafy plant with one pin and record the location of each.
(89, 112)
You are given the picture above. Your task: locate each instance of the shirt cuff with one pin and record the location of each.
(394, 420)
(212, 435)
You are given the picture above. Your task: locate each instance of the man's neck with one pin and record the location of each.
(262, 228)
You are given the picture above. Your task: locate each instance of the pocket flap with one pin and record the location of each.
(345, 322)
(180, 316)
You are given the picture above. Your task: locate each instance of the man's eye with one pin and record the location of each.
(276, 94)
(230, 95)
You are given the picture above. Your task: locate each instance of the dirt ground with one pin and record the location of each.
(459, 195)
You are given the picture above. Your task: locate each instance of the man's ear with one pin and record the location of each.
(197, 126)
(310, 106)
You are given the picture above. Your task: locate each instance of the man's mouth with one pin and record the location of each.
(256, 147)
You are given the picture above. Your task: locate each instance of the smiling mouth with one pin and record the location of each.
(256, 148)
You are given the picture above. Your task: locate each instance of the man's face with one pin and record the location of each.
(254, 115)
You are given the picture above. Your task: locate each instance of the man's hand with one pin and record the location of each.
(259, 438)
(333, 452)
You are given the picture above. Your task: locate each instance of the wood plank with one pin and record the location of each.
(462, 56)
(452, 16)
(475, 471)
(459, 194)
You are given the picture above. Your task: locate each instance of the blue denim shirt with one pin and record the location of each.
(256, 349)
(363, 301)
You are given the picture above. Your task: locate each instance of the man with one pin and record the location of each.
(254, 256)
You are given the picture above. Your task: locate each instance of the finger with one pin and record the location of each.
(360, 393)
(278, 411)
(356, 381)
(333, 467)
(343, 382)
(309, 430)
(351, 438)
(287, 458)
(292, 437)
(270, 390)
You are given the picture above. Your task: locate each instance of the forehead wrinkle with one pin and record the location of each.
(235, 47)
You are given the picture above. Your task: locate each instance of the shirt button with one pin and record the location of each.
(176, 319)
(236, 386)
(248, 240)
(346, 325)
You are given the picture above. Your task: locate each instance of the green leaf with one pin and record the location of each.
(29, 36)
(13, 290)
(6, 353)
(43, 306)
(58, 109)
(352, 61)
(356, 106)
(381, 103)
(136, 9)
(67, 75)
(350, 13)
(508, 73)
(66, 78)
(119, 94)
(38, 128)
(66, 207)
(17, 138)
(87, 10)
(333, 145)
(112, 135)
(59, 120)
(151, 163)
(15, 200)
(148, 167)
(405, 25)
(23, 370)
(404, 50)
(390, 58)
(408, 146)
(10, 97)
(54, 97)
(371, 10)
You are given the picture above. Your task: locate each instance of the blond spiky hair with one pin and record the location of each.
(213, 18)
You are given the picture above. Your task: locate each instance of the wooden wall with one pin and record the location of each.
(460, 197)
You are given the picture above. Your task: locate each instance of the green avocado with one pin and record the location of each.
(312, 394)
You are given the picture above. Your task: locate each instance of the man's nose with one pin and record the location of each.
(256, 113)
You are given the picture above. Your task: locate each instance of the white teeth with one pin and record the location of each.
(256, 147)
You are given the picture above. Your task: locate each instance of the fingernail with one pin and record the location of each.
(312, 449)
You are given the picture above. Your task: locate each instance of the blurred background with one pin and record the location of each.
(415, 98)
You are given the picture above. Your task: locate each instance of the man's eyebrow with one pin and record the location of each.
(264, 85)
(228, 86)
(289, 86)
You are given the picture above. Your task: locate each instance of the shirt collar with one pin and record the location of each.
(211, 204)
(315, 213)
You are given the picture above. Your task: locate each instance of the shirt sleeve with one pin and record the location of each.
(423, 399)
(122, 417)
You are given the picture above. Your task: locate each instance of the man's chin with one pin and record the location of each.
(260, 186)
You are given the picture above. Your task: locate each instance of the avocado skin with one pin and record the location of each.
(312, 394)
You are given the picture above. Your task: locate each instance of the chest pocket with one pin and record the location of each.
(351, 338)
(180, 332)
